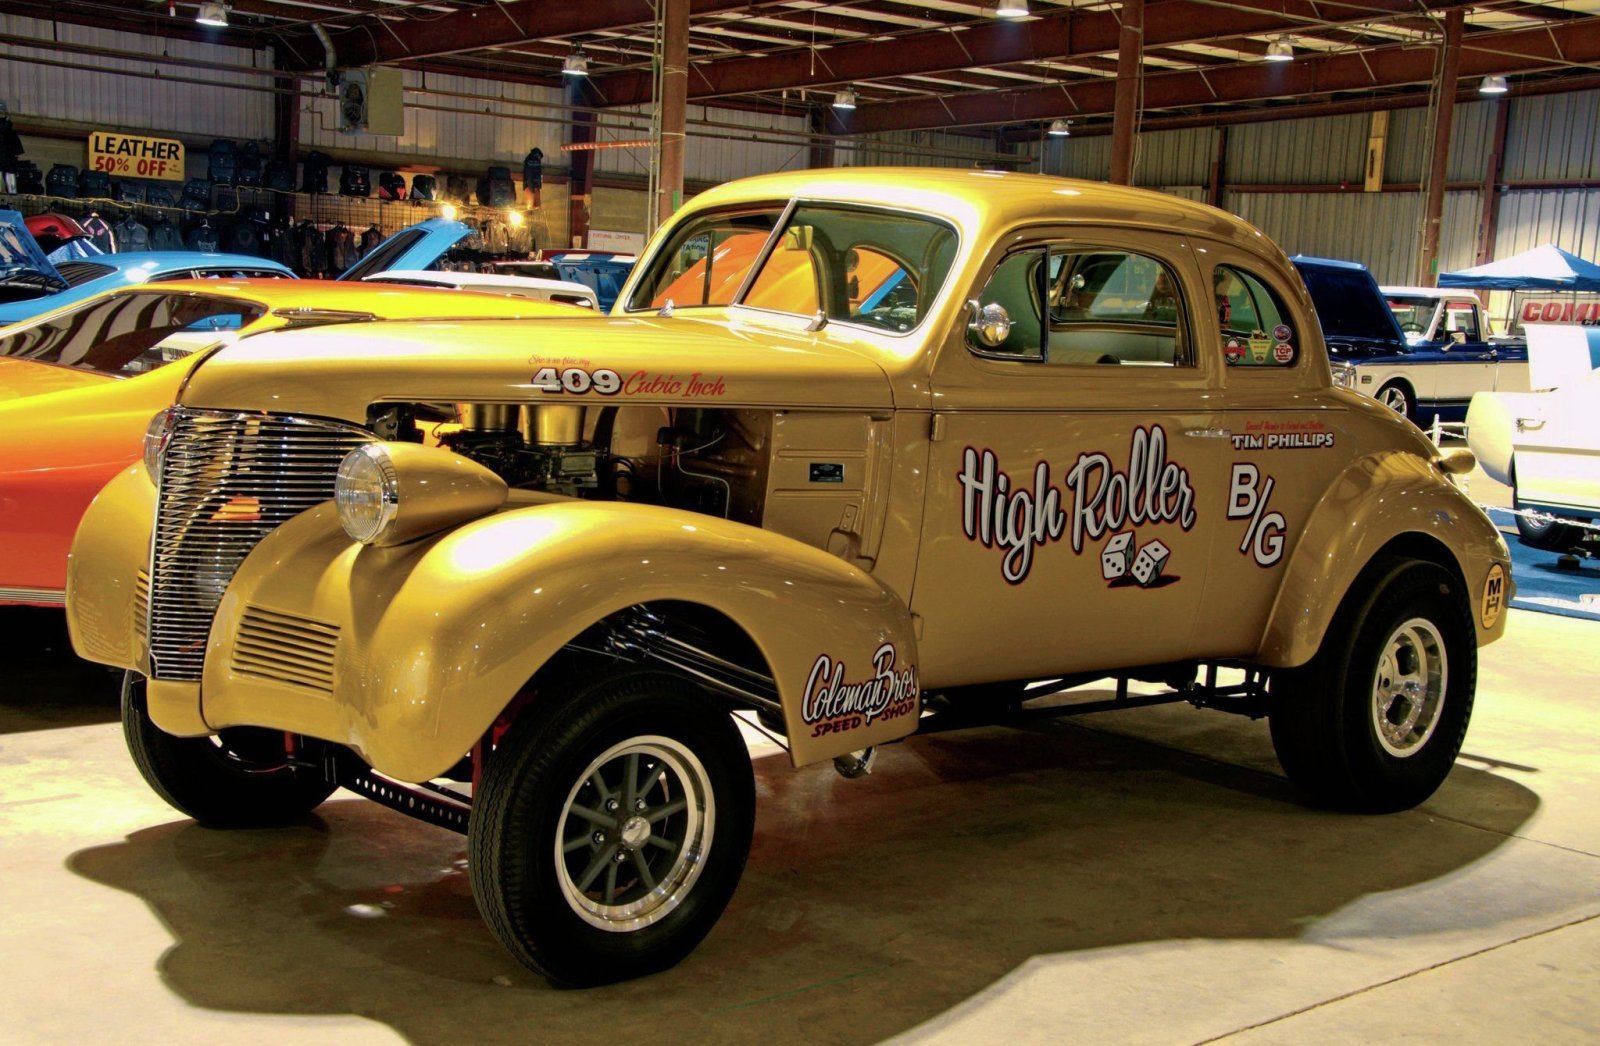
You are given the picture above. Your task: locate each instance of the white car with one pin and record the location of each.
(564, 292)
(1546, 447)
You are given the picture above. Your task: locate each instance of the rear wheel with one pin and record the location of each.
(1397, 396)
(1374, 722)
(611, 828)
(240, 778)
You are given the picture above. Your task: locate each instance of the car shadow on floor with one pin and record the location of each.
(867, 908)
(44, 684)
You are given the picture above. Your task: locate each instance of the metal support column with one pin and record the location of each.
(581, 187)
(1219, 169)
(674, 102)
(1130, 77)
(1490, 216)
(1439, 154)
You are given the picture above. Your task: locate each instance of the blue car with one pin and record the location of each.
(31, 285)
(1424, 368)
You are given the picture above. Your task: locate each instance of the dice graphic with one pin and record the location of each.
(1116, 557)
(1149, 563)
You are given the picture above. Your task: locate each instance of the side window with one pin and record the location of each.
(1461, 316)
(707, 262)
(1252, 321)
(1115, 307)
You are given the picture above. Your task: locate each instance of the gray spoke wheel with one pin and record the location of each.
(1396, 398)
(239, 778)
(1409, 687)
(611, 826)
(1375, 720)
(633, 837)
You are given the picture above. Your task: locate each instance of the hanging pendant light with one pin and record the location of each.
(1280, 50)
(577, 64)
(1012, 9)
(213, 14)
(1493, 85)
(1060, 128)
(845, 99)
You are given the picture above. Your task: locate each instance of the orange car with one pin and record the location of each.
(79, 386)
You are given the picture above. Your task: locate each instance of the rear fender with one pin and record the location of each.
(1378, 501)
(409, 654)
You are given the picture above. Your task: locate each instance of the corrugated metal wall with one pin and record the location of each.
(1553, 137)
(1298, 152)
(1405, 158)
(915, 149)
(1569, 219)
(1380, 230)
(125, 95)
(487, 126)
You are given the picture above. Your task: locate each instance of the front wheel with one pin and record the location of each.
(1374, 722)
(242, 777)
(611, 827)
(1547, 532)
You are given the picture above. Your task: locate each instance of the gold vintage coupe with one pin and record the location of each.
(855, 450)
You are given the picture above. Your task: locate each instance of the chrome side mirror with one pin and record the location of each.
(990, 324)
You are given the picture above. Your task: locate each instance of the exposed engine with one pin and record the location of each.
(710, 461)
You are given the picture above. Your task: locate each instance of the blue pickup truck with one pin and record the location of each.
(1422, 351)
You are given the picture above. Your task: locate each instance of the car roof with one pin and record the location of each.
(1429, 292)
(985, 199)
(394, 301)
(169, 261)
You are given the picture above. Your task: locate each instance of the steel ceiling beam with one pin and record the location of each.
(514, 23)
(1057, 37)
(1524, 50)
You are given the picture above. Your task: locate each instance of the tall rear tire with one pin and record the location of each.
(611, 827)
(240, 778)
(1373, 723)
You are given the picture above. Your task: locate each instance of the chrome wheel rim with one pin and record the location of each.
(634, 833)
(1408, 687)
(1394, 399)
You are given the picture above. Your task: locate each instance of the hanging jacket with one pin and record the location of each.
(196, 195)
(422, 186)
(94, 185)
(279, 175)
(315, 167)
(100, 233)
(244, 238)
(164, 236)
(281, 246)
(533, 170)
(496, 236)
(520, 240)
(391, 186)
(311, 256)
(204, 238)
(341, 248)
(370, 239)
(248, 163)
(62, 181)
(354, 181)
(131, 235)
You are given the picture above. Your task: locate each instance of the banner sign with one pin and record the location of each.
(1560, 310)
(130, 156)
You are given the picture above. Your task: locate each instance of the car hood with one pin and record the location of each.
(429, 241)
(1351, 309)
(20, 254)
(669, 361)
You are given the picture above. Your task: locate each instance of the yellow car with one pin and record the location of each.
(79, 385)
(855, 451)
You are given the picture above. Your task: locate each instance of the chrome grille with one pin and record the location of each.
(286, 648)
(227, 481)
(141, 604)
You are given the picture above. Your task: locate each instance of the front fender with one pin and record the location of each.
(409, 654)
(1376, 500)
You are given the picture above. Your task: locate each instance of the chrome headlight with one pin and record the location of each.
(366, 491)
(1344, 375)
(156, 435)
(391, 493)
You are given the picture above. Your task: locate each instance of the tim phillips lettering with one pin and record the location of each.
(998, 513)
(836, 705)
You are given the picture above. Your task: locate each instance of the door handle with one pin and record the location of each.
(1208, 433)
(1530, 424)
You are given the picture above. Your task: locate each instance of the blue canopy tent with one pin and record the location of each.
(1546, 268)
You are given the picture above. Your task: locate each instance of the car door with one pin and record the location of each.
(1288, 442)
(1465, 361)
(1063, 526)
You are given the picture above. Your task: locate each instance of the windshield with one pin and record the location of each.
(1413, 314)
(852, 264)
(127, 334)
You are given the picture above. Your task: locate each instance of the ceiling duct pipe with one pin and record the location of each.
(330, 57)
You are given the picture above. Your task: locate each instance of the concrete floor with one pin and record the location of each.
(1143, 876)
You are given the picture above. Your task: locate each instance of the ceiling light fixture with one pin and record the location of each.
(1012, 9)
(1280, 50)
(1060, 128)
(845, 99)
(1493, 85)
(577, 64)
(212, 13)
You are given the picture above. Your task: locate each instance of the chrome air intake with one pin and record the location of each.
(227, 480)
